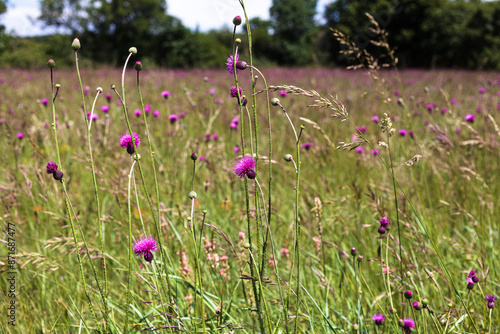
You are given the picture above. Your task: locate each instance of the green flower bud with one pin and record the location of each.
(425, 302)
(192, 195)
(133, 50)
(194, 156)
(288, 157)
(246, 245)
(275, 101)
(237, 40)
(99, 89)
(51, 63)
(113, 87)
(76, 44)
(58, 85)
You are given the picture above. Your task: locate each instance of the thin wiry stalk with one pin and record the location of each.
(129, 208)
(247, 195)
(96, 195)
(167, 290)
(68, 208)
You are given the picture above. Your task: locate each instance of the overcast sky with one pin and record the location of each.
(205, 14)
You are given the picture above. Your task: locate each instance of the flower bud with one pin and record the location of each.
(194, 156)
(288, 157)
(425, 302)
(408, 294)
(192, 195)
(417, 306)
(251, 174)
(51, 63)
(381, 230)
(133, 50)
(58, 85)
(360, 258)
(353, 251)
(237, 40)
(275, 101)
(138, 66)
(246, 245)
(58, 175)
(99, 89)
(148, 257)
(237, 20)
(76, 44)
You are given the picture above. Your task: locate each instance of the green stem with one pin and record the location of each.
(96, 194)
(129, 208)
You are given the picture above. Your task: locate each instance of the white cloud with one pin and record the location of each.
(17, 19)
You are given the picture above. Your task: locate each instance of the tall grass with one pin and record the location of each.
(270, 253)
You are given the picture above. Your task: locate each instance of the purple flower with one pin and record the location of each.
(359, 149)
(397, 93)
(283, 93)
(147, 108)
(361, 129)
(470, 118)
(402, 132)
(470, 283)
(173, 118)
(375, 152)
(211, 91)
(375, 119)
(434, 104)
(234, 92)
(215, 137)
(385, 223)
(94, 116)
(218, 101)
(182, 114)
(165, 94)
(156, 113)
(105, 108)
(307, 145)
(230, 64)
(137, 112)
(235, 120)
(378, 318)
(458, 130)
(408, 294)
(236, 149)
(20, 135)
(453, 101)
(408, 324)
(126, 141)
(145, 247)
(245, 166)
(51, 167)
(45, 102)
(482, 90)
(234, 126)
(491, 299)
(108, 98)
(443, 110)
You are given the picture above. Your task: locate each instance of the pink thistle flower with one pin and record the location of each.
(234, 92)
(147, 109)
(126, 141)
(173, 118)
(283, 93)
(51, 167)
(236, 149)
(408, 324)
(45, 102)
(245, 166)
(93, 116)
(453, 101)
(230, 63)
(108, 98)
(375, 152)
(491, 299)
(105, 108)
(482, 90)
(145, 247)
(470, 118)
(375, 119)
(402, 132)
(20, 135)
(156, 113)
(378, 319)
(359, 149)
(137, 112)
(307, 146)
(165, 94)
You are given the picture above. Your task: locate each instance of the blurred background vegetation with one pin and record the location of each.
(425, 34)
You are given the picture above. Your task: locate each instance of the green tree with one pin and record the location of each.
(108, 28)
(294, 30)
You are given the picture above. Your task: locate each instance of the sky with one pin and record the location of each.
(202, 14)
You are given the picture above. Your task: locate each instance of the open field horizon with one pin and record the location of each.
(444, 153)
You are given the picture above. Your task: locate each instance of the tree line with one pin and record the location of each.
(423, 33)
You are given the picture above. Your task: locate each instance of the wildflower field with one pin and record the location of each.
(266, 200)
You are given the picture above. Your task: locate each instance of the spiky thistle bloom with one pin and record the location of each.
(45, 102)
(230, 63)
(145, 247)
(385, 222)
(126, 141)
(234, 92)
(470, 118)
(491, 299)
(245, 166)
(51, 167)
(165, 94)
(408, 324)
(173, 118)
(473, 276)
(378, 318)
(20, 135)
(470, 283)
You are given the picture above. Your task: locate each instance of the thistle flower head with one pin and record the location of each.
(165, 94)
(245, 166)
(173, 118)
(490, 300)
(234, 92)
(51, 167)
(378, 318)
(470, 118)
(145, 247)
(127, 142)
(408, 324)
(230, 63)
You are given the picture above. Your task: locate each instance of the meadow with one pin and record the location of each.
(382, 200)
